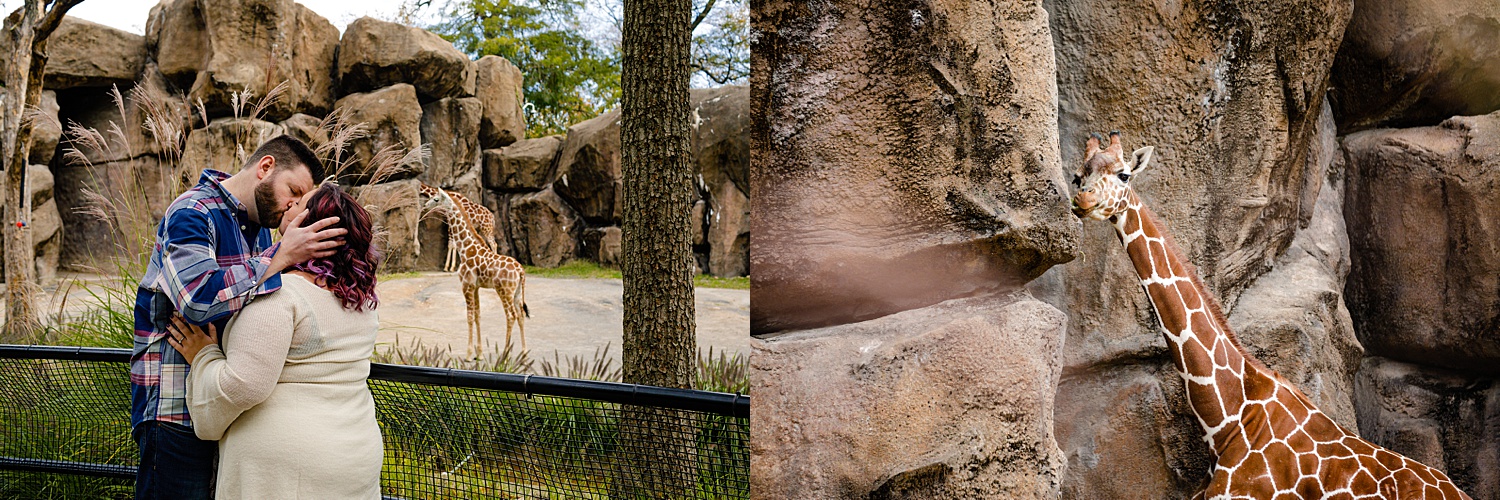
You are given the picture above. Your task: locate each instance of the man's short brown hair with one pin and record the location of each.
(289, 152)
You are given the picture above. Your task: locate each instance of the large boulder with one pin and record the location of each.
(375, 54)
(1440, 418)
(544, 229)
(1411, 63)
(46, 130)
(104, 213)
(247, 46)
(721, 146)
(450, 126)
(948, 401)
(45, 223)
(525, 165)
(395, 211)
(87, 54)
(1426, 242)
(224, 145)
(392, 117)
(306, 128)
(175, 36)
(602, 245)
(1230, 95)
(1295, 318)
(588, 169)
(499, 84)
(901, 156)
(499, 204)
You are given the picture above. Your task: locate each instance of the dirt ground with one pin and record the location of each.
(571, 317)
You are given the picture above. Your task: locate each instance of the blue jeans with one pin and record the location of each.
(175, 464)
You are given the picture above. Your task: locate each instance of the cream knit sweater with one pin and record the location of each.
(287, 399)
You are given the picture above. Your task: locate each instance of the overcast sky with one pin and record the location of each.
(130, 15)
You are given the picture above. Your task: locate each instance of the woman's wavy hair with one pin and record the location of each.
(350, 272)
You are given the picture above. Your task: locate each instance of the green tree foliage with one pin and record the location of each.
(568, 77)
(721, 42)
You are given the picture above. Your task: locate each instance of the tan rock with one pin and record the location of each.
(395, 212)
(393, 119)
(949, 401)
(45, 224)
(450, 127)
(87, 54)
(602, 245)
(499, 84)
(544, 229)
(96, 236)
(525, 165)
(900, 158)
(1426, 243)
(588, 169)
(1294, 318)
(251, 45)
(175, 35)
(46, 130)
(1409, 63)
(1437, 417)
(375, 54)
(98, 109)
(224, 145)
(721, 146)
(305, 128)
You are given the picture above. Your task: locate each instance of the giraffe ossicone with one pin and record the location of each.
(1270, 440)
(479, 266)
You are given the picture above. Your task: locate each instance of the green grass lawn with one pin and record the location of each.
(586, 269)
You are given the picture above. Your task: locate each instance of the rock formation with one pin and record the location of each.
(907, 183)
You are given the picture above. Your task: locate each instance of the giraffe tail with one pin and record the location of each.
(522, 290)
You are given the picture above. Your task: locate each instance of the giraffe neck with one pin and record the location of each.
(459, 226)
(1207, 355)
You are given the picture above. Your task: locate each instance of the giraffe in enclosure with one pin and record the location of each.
(480, 267)
(1269, 439)
(482, 219)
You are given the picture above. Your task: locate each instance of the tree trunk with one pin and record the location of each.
(21, 321)
(27, 30)
(657, 265)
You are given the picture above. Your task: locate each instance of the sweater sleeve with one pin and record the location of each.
(225, 382)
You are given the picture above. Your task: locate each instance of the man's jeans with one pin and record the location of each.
(175, 464)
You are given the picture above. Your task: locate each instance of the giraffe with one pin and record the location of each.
(482, 219)
(1269, 439)
(480, 267)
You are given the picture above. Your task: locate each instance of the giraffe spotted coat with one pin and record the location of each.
(1270, 441)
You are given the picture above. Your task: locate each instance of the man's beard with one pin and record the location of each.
(265, 203)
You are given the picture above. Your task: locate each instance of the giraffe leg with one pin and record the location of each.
(471, 303)
(452, 262)
(507, 304)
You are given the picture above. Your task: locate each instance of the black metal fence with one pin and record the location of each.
(65, 432)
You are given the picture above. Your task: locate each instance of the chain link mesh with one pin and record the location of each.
(441, 441)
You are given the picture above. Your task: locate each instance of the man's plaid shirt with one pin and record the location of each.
(204, 264)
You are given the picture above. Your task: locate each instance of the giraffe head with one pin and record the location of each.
(439, 201)
(1102, 183)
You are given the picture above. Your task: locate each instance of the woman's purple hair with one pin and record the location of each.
(350, 272)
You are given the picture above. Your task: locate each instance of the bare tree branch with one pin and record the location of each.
(701, 16)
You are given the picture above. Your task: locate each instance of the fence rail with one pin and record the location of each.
(448, 433)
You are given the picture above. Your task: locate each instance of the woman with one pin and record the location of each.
(286, 395)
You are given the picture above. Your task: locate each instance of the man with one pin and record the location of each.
(213, 254)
